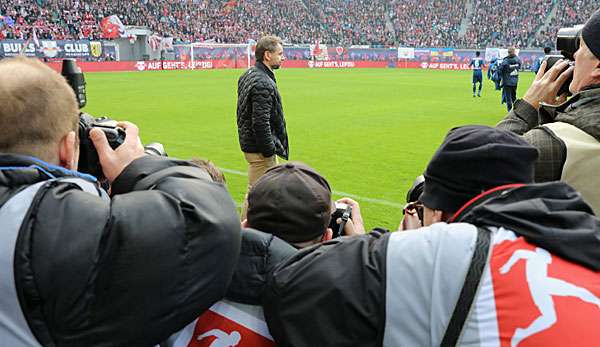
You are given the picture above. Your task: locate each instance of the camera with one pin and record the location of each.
(342, 211)
(567, 42)
(415, 191)
(413, 204)
(88, 157)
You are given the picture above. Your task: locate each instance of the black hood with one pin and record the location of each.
(549, 215)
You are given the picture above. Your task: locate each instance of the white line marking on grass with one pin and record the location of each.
(343, 194)
(235, 172)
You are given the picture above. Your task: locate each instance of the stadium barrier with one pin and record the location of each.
(155, 65)
(100, 55)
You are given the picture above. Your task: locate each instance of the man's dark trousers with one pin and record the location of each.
(509, 95)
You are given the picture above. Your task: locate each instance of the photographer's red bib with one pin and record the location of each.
(541, 299)
(226, 325)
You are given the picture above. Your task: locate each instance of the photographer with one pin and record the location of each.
(291, 202)
(80, 268)
(566, 133)
(452, 282)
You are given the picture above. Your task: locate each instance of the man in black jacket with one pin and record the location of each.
(509, 72)
(80, 268)
(260, 121)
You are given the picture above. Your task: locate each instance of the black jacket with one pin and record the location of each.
(335, 294)
(509, 71)
(259, 254)
(126, 271)
(260, 121)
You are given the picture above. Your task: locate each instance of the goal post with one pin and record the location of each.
(240, 54)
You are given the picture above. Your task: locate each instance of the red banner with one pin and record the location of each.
(156, 65)
(433, 66)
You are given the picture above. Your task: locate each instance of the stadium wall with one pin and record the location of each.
(99, 56)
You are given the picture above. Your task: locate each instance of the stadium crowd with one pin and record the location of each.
(498, 244)
(503, 23)
(431, 23)
(427, 23)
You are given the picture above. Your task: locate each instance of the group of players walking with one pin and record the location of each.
(504, 73)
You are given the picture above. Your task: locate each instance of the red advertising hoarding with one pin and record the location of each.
(229, 64)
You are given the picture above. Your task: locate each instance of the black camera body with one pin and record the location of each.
(88, 157)
(342, 211)
(567, 42)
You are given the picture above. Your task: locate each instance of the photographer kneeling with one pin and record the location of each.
(289, 209)
(80, 268)
(566, 133)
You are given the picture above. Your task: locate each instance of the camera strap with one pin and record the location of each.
(469, 289)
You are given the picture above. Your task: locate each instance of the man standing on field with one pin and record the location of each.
(260, 121)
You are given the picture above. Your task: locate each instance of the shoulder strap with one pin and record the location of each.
(469, 289)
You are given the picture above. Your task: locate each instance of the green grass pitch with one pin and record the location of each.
(368, 131)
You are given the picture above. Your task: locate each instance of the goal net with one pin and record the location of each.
(219, 55)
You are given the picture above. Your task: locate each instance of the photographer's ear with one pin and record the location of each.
(596, 71)
(431, 216)
(328, 235)
(68, 151)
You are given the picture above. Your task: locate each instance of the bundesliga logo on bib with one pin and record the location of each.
(224, 325)
(541, 299)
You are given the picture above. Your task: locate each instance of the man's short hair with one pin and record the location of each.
(477, 53)
(212, 170)
(511, 50)
(38, 108)
(266, 43)
(291, 201)
(547, 50)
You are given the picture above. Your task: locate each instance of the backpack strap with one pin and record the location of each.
(469, 289)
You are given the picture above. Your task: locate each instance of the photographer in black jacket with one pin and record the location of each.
(260, 121)
(80, 268)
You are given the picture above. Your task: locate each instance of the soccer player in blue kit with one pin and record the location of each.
(477, 64)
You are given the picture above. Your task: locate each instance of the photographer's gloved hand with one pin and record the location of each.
(546, 85)
(355, 225)
(114, 161)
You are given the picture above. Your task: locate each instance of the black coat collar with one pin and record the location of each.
(261, 66)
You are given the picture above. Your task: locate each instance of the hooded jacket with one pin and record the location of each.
(401, 289)
(509, 71)
(123, 271)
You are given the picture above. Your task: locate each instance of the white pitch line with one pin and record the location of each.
(343, 194)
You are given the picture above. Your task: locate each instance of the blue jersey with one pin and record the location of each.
(477, 63)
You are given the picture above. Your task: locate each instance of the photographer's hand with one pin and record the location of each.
(546, 84)
(355, 225)
(114, 161)
(410, 221)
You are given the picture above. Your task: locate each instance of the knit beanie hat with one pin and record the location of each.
(473, 159)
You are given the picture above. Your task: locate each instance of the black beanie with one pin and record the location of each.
(591, 34)
(473, 159)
